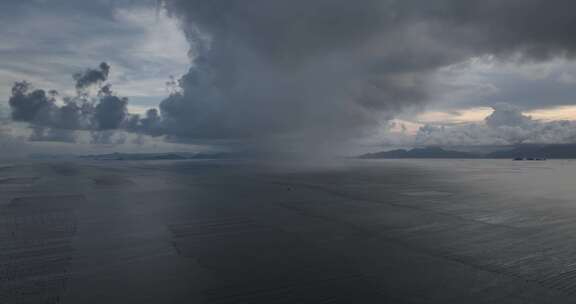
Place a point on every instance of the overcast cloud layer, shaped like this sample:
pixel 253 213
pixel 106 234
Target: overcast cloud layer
pixel 308 73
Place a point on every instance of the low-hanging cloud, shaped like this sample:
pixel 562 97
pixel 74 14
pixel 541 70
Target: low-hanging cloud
pixel 507 125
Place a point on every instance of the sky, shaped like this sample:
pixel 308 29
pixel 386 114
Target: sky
pixel 46 42
pixel 276 76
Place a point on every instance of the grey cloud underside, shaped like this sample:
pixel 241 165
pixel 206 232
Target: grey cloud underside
pixel 528 93
pixel 334 68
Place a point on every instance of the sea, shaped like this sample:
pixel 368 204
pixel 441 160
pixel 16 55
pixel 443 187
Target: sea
pixel 338 231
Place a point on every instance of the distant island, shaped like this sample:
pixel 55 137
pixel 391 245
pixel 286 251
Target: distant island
pixel 429 152
pixel 555 151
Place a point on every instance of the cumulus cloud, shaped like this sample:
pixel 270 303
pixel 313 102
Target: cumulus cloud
pixel 111 112
pixel 505 126
pixel 51 121
pixel 92 76
pixel 507 115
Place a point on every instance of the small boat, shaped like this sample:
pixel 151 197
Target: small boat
pixel 518 158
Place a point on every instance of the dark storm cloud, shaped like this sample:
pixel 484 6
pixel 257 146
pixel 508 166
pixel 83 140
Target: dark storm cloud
pixel 270 68
pixel 541 92
pixel 333 68
pixel 539 29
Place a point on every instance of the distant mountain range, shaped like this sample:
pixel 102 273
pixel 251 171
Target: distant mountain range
pixel 159 156
pixel 558 151
pixel 430 152
pixel 565 151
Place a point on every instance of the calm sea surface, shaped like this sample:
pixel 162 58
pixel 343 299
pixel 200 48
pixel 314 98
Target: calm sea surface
pixel 382 231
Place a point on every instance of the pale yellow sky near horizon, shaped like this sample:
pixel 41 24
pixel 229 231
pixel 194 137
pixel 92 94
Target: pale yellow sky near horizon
pixel 477 115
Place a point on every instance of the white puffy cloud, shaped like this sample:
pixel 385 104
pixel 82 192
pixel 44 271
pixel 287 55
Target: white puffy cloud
pixel 507 125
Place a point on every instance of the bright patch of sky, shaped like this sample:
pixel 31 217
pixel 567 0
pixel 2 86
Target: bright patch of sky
pixel 144 47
